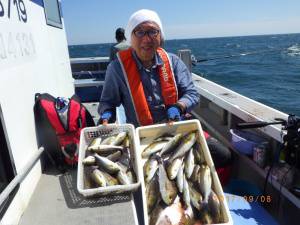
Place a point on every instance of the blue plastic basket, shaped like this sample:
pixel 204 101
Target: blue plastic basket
pixel 244 141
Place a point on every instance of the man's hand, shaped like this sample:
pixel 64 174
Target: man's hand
pixel 105 117
pixel 174 113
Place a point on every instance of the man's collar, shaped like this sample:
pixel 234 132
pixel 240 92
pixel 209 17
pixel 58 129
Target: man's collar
pixel 157 60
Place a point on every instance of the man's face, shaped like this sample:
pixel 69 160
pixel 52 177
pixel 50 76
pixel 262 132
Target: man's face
pixel 145 39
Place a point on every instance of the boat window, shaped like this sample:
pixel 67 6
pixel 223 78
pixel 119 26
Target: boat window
pixel 7 169
pixel 52 12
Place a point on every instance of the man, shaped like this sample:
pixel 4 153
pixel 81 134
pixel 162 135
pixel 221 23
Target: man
pixel 121 43
pixel 152 85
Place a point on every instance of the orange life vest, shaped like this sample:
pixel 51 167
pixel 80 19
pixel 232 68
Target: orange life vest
pixel 133 80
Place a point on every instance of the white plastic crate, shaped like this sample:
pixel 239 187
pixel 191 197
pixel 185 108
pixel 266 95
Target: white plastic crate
pixel 86 136
pixel 145 135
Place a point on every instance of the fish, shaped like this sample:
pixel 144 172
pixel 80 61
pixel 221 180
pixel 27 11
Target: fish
pixel 122 166
pixel 110 180
pixel 194 177
pixel 152 188
pixel 122 174
pixel 126 152
pixel 189 164
pixel 109 155
pixel 122 177
pixel 186 193
pixel 103 149
pixel 114 156
pixel 214 207
pixel 119 138
pixel 171 144
pixel 165 137
pixel 155 214
pixel 87 181
pixel 206 218
pixel 98 178
pixel 108 140
pixel 173 168
pixel 187 142
pixel 107 164
pixel 150 168
pixel 125 158
pixel 153 148
pixel 96 141
pixel 189 213
pixel 197 204
pixel 167 187
pixel 196 197
pixel 199 155
pixel 179 179
pixel 204 182
pixel 126 142
pixel 89 161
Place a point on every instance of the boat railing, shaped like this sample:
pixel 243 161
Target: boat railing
pixel 20 176
pixel 97 74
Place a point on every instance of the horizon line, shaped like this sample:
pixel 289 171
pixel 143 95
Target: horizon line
pixel 229 36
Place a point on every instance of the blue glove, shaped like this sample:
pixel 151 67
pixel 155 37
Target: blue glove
pixel 106 116
pixel 174 113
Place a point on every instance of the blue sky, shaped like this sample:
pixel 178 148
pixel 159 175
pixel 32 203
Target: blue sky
pixel 95 21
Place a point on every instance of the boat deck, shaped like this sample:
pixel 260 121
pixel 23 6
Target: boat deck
pixel 57 201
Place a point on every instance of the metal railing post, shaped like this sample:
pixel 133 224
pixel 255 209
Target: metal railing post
pixel 186 56
pixel 20 177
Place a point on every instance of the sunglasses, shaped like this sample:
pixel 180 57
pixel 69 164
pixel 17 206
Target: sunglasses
pixel 141 33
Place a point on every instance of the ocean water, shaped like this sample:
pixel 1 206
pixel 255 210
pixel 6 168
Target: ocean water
pixel 265 68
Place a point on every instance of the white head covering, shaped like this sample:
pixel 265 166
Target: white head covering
pixel 142 16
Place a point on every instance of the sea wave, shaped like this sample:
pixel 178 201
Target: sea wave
pixel 294 50
pixel 232 45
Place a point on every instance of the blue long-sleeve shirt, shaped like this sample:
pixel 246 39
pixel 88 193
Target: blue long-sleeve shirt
pixel 116 92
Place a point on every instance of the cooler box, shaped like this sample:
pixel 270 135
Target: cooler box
pixel 145 135
pixel 244 141
pixel 87 135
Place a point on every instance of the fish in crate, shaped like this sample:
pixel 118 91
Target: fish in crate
pixel 108 162
pixel 178 182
